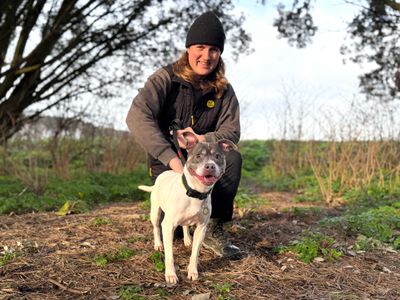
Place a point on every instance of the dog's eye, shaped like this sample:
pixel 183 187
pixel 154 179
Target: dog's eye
pixel 198 155
pixel 217 156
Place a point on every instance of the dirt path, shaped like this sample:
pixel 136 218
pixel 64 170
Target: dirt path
pixel 56 259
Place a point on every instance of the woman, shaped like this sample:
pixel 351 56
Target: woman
pixel 194 91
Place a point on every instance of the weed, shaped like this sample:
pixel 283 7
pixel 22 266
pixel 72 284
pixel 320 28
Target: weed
pixel 158 260
pixel 306 197
pixel 145 217
pixel 8 255
pixel 366 243
pixel 100 260
pixel 10 186
pixel 306 211
pixel 138 239
pixel 130 292
pixel 73 207
pixel 377 223
pixel 396 243
pixel 312 245
pixel 161 292
pixel 100 221
pixel 362 200
pixel 223 290
pixel 146 205
pixel 123 253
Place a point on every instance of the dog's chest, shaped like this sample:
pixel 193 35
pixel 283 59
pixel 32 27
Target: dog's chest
pixel 194 213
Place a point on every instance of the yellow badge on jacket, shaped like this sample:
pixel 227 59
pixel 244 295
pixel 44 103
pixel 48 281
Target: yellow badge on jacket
pixel 210 103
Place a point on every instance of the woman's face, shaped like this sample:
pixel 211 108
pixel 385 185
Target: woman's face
pixel 203 59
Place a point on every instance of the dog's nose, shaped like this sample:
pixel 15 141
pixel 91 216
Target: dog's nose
pixel 210 167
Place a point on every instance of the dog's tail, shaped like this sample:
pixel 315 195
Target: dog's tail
pixel 145 188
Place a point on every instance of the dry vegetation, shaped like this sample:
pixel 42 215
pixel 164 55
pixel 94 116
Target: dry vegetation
pixel 57 259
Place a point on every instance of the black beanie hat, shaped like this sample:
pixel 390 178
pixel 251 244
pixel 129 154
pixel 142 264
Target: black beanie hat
pixel 206 29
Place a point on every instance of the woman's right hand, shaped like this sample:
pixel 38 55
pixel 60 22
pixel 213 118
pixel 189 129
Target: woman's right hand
pixel 176 165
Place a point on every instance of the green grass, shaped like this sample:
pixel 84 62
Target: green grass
pixel 141 239
pixel 312 245
pixel 100 221
pixel 372 215
pixel 131 292
pixel 7 257
pixel 305 211
pixel 373 196
pixel 248 199
pixel 122 253
pixel 158 260
pixel 90 188
pixel 222 290
pixel 381 224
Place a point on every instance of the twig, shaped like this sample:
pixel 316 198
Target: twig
pixel 23 191
pixel 63 287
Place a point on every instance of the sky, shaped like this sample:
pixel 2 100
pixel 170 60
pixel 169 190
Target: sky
pixel 282 88
pixel 286 92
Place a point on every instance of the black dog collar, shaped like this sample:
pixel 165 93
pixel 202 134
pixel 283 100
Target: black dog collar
pixel 193 193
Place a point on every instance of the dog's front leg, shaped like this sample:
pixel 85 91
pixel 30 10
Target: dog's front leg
pixel 168 234
pixel 198 238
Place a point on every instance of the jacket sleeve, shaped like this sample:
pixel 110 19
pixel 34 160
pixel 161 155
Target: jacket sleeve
pixel 228 124
pixel 144 113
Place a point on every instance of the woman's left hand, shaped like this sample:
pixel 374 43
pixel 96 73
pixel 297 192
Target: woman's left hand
pixel 181 139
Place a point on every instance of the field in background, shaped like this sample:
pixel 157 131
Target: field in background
pixel 303 208
pixel 75 175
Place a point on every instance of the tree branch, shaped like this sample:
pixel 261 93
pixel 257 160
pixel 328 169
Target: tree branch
pixel 393 4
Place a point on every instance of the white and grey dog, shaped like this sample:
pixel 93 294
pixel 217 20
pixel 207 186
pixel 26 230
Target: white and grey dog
pixel 185 200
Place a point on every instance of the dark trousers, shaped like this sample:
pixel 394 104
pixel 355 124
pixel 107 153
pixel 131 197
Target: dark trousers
pixel 225 189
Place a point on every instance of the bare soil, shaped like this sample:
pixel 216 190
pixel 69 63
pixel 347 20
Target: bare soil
pixel 56 258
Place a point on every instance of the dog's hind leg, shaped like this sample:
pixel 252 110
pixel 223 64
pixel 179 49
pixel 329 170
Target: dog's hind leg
pixel 187 239
pixel 155 217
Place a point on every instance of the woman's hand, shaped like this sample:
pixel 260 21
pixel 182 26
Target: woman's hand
pixel 176 165
pixel 181 140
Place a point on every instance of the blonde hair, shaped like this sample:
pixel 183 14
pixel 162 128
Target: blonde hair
pixel 216 79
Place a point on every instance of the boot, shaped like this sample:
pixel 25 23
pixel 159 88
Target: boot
pixel 217 241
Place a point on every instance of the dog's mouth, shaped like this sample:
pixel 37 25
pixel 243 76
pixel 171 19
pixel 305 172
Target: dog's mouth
pixel 207 179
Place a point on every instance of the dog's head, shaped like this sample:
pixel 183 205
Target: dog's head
pixel 206 161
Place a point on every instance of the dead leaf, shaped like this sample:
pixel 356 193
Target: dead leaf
pixel 204 296
pixel 319 259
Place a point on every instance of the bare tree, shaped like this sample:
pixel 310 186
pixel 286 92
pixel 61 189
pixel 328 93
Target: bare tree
pixel 374 38
pixel 52 51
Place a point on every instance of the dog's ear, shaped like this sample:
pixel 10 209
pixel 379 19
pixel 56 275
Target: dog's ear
pixel 190 139
pixel 227 145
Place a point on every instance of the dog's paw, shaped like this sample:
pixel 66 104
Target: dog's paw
pixel 158 247
pixel 193 275
pixel 171 278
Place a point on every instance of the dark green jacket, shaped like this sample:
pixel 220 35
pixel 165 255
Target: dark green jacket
pixel 152 111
